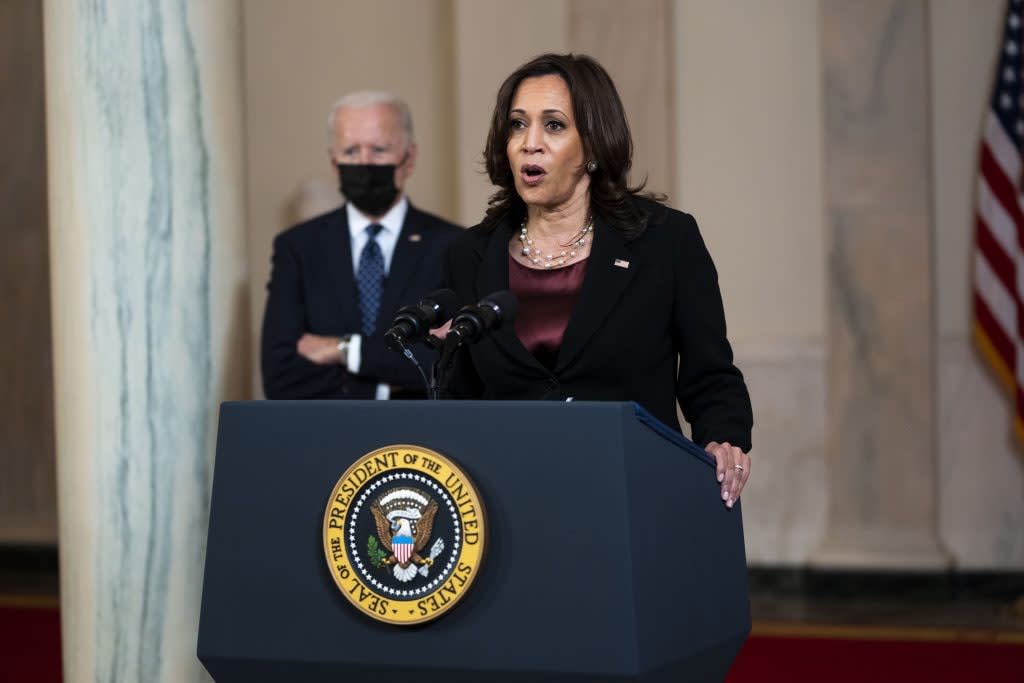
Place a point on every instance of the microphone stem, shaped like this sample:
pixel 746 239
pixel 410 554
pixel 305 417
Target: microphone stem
pixel 451 344
pixel 412 358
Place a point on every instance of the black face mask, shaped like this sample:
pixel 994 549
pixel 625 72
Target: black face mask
pixel 370 187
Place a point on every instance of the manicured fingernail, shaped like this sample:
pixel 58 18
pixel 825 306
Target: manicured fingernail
pixel 725 495
pixel 729 504
pixel 721 476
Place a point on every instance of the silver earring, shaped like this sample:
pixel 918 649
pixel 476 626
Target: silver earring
pixel 591 166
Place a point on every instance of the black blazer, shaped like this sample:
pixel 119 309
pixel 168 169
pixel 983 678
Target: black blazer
pixel 312 289
pixel 644 304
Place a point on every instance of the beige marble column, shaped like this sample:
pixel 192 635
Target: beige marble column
pixel 149 295
pixel 881 352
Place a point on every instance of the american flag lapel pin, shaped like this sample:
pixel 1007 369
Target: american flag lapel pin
pixel 415 237
pixel 620 263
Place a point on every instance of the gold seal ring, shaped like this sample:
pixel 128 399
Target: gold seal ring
pixel 404 533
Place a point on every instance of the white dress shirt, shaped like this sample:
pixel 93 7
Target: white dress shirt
pixel 387 238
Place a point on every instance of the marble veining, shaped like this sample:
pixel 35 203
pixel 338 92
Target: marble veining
pixel 862 98
pixel 880 392
pixel 146 167
pixel 850 302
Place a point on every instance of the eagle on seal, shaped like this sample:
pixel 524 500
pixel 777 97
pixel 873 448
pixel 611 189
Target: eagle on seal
pixel 405 518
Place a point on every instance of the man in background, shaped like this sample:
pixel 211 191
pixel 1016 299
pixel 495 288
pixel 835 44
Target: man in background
pixel 338 279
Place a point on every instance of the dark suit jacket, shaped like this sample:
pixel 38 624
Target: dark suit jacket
pixel 629 327
pixel 313 289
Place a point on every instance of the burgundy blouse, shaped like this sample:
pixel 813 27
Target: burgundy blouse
pixel 546 299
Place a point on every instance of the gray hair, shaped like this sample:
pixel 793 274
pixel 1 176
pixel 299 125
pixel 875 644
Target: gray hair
pixel 369 98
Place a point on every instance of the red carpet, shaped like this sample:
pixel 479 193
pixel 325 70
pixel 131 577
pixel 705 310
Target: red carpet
pixel 30 644
pixel 30 653
pixel 837 655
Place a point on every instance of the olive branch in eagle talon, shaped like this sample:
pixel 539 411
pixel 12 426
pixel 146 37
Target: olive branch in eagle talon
pixel 376 553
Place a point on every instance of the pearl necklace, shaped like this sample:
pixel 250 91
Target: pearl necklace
pixel 569 250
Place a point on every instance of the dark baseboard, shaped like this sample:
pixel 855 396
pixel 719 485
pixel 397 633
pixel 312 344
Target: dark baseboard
pixel 918 585
pixel 29 559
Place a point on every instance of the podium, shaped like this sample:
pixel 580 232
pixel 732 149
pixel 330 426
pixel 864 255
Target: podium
pixel 610 556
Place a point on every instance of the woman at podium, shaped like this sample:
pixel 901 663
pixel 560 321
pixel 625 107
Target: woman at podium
pixel 618 298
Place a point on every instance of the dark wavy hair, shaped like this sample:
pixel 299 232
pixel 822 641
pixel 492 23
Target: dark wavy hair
pixel 604 132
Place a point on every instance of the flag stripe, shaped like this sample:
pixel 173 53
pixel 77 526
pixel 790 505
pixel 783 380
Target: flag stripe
pixel 998 260
pixel 1003 150
pixel 998 221
pixel 996 297
pixel 1002 187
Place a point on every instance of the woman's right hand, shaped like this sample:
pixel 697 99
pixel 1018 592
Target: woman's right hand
pixel 732 470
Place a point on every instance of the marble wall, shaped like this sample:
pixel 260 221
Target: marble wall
pixel 149 311
pixel 881 334
pixel 759 133
pixel 633 41
pixel 489 45
pixel 750 158
pixel 980 465
pixel 749 152
pixel 785 502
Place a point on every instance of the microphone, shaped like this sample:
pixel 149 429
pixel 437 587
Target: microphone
pixel 413 323
pixel 471 323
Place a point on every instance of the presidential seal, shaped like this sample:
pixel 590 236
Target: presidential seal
pixel 404 534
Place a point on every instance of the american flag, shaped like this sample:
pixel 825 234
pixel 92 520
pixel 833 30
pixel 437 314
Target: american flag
pixel 999 232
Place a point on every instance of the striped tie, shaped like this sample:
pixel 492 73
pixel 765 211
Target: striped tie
pixel 370 279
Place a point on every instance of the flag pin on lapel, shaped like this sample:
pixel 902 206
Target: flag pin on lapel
pixel 415 237
pixel 621 264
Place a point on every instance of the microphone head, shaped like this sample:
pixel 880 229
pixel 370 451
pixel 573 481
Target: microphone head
pixel 439 306
pixel 412 323
pixel 473 321
pixel 498 308
pixel 401 331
